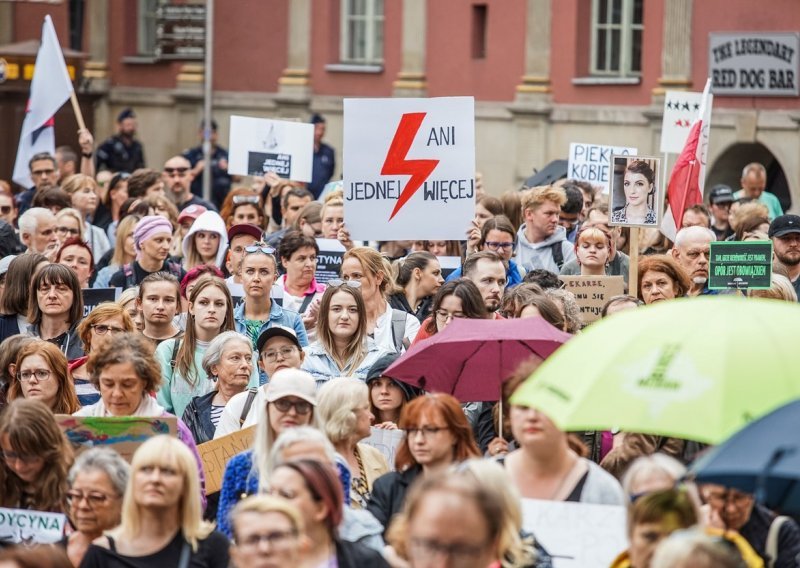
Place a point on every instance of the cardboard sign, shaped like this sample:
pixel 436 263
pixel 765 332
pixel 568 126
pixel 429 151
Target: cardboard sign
pixel 22 526
pixel 740 265
pixel 216 453
pixel 590 162
pixel 94 296
pixel 592 293
pixel 577 535
pixel 760 64
pixel 386 442
pixel 329 259
pixel 680 111
pixel 259 145
pixel 121 433
pixel 409 168
pixel 449 264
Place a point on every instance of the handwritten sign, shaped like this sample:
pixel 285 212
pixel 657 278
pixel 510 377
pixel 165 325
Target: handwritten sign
pixel 216 453
pixel 754 64
pixel 124 434
pixel 94 296
pixel 577 535
pixel 592 293
pixel 22 526
pixel 329 259
pixel 590 162
pixel 680 111
pixel 409 168
pixel 386 442
pixel 740 265
pixel 259 145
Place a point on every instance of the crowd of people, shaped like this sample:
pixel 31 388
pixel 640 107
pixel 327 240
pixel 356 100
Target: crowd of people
pixel 222 323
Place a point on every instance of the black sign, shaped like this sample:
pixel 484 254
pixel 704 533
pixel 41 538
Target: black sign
pixel 259 163
pixel 94 296
pixel 740 265
pixel 181 31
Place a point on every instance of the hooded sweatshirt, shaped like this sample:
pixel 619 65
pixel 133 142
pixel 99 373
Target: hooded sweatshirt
pixel 540 255
pixel 209 221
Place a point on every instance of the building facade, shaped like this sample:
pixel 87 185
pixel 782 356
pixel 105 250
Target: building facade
pixel 544 73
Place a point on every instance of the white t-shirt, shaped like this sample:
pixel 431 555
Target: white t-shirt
pixel 383 330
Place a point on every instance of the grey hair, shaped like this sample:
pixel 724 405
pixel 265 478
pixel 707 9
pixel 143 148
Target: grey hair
pixel 695 545
pixel 652 464
pixel 213 354
pixel 29 220
pixel 128 295
pixel 572 312
pixel 754 166
pixel 292 436
pixel 693 232
pixel 106 460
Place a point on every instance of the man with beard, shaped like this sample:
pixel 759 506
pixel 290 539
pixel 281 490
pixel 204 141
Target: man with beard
pixel 177 177
pixel 121 152
pixel 487 271
pixel 691 251
pixel 785 234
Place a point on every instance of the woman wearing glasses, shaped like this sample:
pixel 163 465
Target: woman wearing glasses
pixel 498 235
pixel 259 270
pixel 264 518
pixel 57 308
pixel 36 457
pixel 42 374
pixel 343 348
pixel 455 299
pixel 437 435
pixel 419 276
pixel 287 401
pixel 97 483
pixel 98 328
pixel 206 242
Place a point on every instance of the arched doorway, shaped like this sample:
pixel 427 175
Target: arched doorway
pixel 728 167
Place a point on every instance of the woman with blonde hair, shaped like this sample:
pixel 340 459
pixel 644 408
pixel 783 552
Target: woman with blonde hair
pixel 781 289
pixel 262 515
pixel 161 515
pixel 36 458
pixel 42 375
pixel 84 195
pixel 69 223
pixel 206 242
pixel 124 253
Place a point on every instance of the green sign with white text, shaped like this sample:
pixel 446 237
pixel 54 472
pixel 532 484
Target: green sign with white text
pixel 740 265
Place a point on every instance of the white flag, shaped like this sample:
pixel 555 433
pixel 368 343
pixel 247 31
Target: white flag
pixel 51 87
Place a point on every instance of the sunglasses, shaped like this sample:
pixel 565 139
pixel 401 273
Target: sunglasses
pixel 300 406
pixel 180 171
pixel 259 247
pixel 239 199
pixel 336 283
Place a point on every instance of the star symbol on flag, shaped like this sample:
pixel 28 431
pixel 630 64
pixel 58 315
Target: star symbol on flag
pixel 696 106
pixel 685 106
pixel 669 105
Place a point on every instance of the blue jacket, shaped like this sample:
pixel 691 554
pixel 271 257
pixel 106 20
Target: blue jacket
pixel 277 316
pixel 323 368
pixel 513 275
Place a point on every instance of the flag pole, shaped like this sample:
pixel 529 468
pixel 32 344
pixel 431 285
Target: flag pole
pixel 633 268
pixel 77 110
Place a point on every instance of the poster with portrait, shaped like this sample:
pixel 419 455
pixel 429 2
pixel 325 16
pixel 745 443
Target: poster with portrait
pixel 636 192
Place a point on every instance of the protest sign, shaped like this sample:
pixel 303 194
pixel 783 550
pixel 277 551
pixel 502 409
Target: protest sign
pixel 23 526
pixel 409 168
pixel 216 453
pixel 329 259
pixel 94 296
pixel 577 535
pixel 636 191
pixel 122 433
pixel 740 265
pixel 754 64
pixel 260 145
pixel 590 162
pixel 449 264
pixel 592 293
pixel 680 111
pixel 386 442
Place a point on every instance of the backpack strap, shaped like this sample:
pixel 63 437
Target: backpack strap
pixel 558 254
pixel 399 329
pixel 305 304
pixel 251 396
pixel 772 540
pixel 174 359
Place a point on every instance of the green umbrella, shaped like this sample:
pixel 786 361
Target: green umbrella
pixel 697 368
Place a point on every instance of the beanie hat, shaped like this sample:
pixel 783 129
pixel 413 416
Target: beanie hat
pixel 148 227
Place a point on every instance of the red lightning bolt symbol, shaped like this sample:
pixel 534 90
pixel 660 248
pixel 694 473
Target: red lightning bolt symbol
pixel 396 163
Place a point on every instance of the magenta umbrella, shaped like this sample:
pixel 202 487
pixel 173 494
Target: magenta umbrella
pixel 471 358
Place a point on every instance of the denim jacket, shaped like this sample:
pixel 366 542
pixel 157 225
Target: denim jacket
pixel 323 368
pixel 277 316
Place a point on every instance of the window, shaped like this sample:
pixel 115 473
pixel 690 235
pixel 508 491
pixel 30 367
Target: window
pixel 617 38
pixel 479 21
pixel 362 32
pixel 148 15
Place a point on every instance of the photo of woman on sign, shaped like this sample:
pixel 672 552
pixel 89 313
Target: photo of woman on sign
pixel 635 198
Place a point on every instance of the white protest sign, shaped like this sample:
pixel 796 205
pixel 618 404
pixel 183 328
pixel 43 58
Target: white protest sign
pixel 680 111
pixel 409 168
pixel 577 535
pixel 329 260
pixel 386 442
pixel 22 526
pixel 260 145
pixel 590 162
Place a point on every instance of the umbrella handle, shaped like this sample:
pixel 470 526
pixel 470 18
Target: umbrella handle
pixel 761 480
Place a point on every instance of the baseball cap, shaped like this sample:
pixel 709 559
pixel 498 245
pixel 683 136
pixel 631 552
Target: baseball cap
pixel 292 382
pixel 5 262
pixel 192 212
pixel 784 225
pixel 277 331
pixel 245 229
pixel 721 193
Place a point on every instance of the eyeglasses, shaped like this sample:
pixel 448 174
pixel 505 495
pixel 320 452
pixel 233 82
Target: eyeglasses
pixel 275 539
pixel 239 199
pixel 259 247
pixel 721 499
pixel 42 172
pixel 93 499
pixel 423 548
pixel 40 374
pixel 67 230
pixel 495 245
pixel 5 209
pixel 426 431
pixel 337 282
pixel 103 329
pixel 445 316
pixel 300 406
pixel 180 171
pixel 24 458
pixel 284 352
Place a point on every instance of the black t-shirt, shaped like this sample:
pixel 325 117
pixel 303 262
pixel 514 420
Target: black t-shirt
pixel 118 279
pixel 212 552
